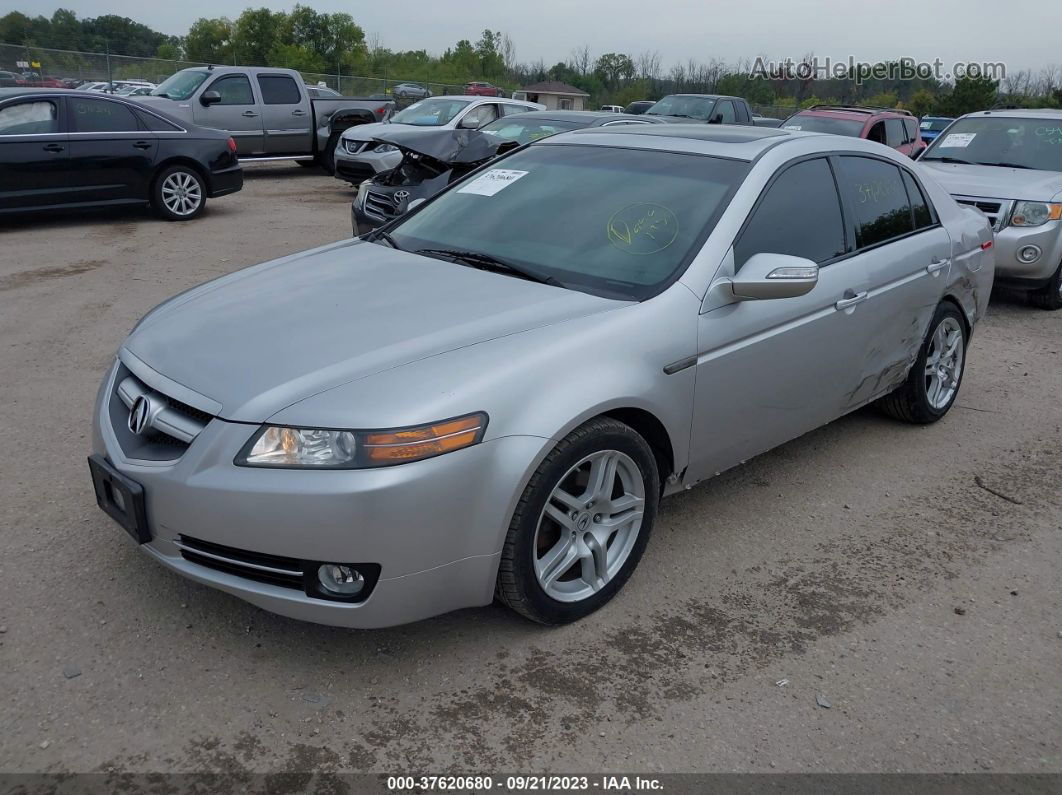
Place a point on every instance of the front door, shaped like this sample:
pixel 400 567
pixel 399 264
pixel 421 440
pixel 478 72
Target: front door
pixel 238 112
pixel 771 370
pixel 286 116
pixel 34 154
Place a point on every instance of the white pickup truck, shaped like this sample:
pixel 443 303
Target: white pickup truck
pixel 1008 164
pixel 268 111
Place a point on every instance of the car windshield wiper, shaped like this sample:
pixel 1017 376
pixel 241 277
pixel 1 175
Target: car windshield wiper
pixel 958 160
pixel 488 262
pixel 380 234
pixel 1006 165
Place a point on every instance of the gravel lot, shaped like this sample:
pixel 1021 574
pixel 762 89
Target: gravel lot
pixel 865 563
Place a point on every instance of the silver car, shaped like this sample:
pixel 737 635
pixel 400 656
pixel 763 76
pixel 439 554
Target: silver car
pixel 489 398
pixel 1008 164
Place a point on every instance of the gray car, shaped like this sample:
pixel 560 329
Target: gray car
pixel 1008 164
pixel 410 91
pixel 490 398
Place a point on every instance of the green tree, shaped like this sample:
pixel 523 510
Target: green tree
pixel 210 41
pixel 256 32
pixel 921 103
pixel 614 67
pixel 970 94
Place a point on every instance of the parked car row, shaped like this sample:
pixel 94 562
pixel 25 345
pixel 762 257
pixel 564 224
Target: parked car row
pixel 310 445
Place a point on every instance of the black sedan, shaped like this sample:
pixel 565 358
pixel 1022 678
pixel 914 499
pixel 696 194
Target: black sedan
pixel 61 148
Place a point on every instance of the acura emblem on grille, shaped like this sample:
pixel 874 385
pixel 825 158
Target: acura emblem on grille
pixel 140 415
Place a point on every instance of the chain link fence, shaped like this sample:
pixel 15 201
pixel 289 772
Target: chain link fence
pixel 71 67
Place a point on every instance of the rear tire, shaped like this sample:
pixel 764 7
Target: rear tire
pixel 582 524
pixel 179 193
pixel 933 383
pixel 1049 297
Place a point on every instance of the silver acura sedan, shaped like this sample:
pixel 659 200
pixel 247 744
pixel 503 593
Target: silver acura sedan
pixel 488 398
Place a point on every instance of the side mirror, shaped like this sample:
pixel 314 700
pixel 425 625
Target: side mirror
pixel 716 119
pixel 767 276
pixel 209 98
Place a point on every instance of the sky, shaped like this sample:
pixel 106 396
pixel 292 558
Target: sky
pixel 952 30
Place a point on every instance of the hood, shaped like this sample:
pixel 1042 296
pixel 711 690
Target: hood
pixel 261 339
pixel 450 147
pixel 181 110
pixel 366 132
pixel 994 182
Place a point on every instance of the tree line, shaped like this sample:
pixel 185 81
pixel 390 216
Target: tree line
pixel 333 43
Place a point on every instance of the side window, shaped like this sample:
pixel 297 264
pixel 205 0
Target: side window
pixel 894 133
pixel 29 118
pixel 877 133
pixel 99 115
pixel 923 216
pixel 234 90
pixel 725 109
pixel 512 110
pixel 279 90
pixel 875 192
pixel 799 215
pixel 484 114
pixel 743 113
pixel 152 122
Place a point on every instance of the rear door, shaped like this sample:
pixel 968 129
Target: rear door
pixel 904 251
pixel 239 112
pixel 769 371
pixel 286 115
pixel 111 156
pixel 34 153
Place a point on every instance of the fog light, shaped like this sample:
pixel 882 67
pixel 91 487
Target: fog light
pixel 1029 254
pixel 335 578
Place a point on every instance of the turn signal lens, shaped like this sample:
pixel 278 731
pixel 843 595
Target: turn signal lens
pixel 412 444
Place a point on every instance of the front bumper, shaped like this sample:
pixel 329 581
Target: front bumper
pixel 364 165
pixel 435 527
pixel 1011 271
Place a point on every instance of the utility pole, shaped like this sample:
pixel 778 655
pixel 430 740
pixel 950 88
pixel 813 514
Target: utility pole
pixel 107 48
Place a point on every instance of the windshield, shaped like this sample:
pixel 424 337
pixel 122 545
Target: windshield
pixel 934 125
pixel 430 112
pixel 524 131
pixel 684 106
pixel 824 124
pixel 621 223
pixel 999 141
pixel 181 85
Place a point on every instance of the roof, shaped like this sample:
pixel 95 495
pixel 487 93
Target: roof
pixel 1021 113
pixel 741 143
pixel 587 117
pixel 853 111
pixel 554 87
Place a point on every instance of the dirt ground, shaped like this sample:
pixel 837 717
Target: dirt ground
pixel 868 563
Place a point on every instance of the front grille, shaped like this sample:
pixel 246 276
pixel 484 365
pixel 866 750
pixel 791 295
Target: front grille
pixel 354 171
pixel 379 205
pixel 257 566
pixel 997 210
pixel 170 427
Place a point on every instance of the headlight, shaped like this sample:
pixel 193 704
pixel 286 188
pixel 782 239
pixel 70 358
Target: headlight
pixel 309 448
pixel 385 148
pixel 1035 213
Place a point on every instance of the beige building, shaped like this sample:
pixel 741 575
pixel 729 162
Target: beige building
pixel 555 95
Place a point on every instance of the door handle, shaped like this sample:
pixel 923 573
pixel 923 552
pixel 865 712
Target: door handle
pixel 298 113
pixel 53 148
pixel 851 299
pixel 250 114
pixel 142 145
pixel 937 265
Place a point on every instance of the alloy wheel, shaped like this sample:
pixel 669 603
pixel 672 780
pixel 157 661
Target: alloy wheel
pixel 944 363
pixel 181 193
pixel 589 526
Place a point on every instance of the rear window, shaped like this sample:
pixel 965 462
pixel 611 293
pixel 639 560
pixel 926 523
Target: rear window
pixel 824 124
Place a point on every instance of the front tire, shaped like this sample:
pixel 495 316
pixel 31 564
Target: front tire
pixel 933 383
pixel 1050 297
pixel 179 193
pixel 327 158
pixel 582 524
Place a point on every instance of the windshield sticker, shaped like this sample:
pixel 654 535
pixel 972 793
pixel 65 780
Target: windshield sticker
pixel 642 228
pixel 1053 135
pixel 493 181
pixel 957 140
pixel 926 125
pixel 792 127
